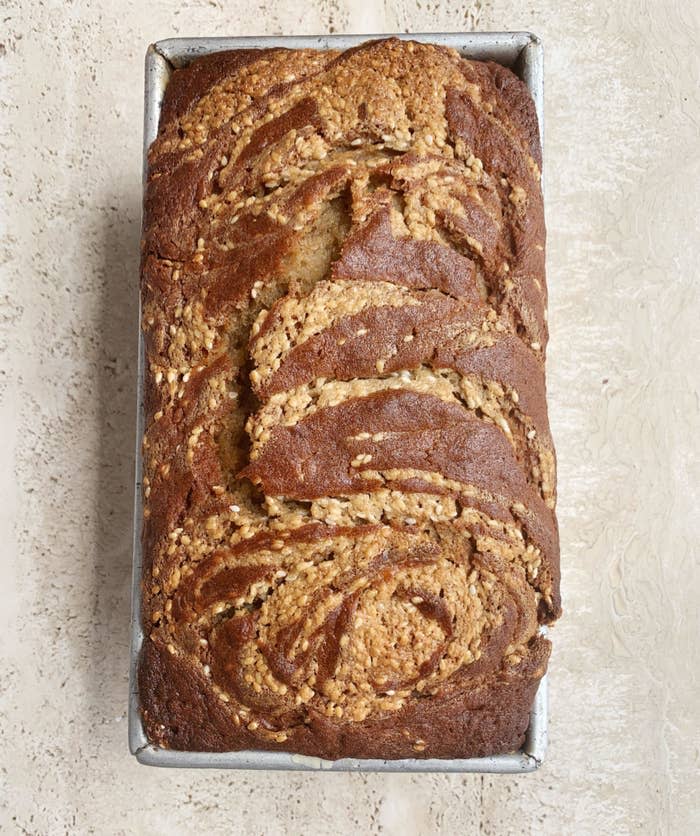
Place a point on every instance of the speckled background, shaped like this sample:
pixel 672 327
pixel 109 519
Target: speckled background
pixel 622 173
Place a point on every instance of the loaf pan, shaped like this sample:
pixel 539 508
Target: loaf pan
pixel 522 52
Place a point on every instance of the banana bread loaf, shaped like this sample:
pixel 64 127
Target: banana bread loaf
pixel 349 538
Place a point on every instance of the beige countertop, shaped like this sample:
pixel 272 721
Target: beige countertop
pixel 622 172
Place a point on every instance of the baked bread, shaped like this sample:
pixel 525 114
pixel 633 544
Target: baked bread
pixel 349 538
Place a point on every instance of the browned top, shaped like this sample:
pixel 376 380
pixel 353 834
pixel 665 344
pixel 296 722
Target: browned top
pixel 349 535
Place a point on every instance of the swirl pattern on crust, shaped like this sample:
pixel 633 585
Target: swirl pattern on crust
pixel 349 481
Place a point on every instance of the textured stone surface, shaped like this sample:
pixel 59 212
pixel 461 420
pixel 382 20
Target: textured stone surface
pixel 622 173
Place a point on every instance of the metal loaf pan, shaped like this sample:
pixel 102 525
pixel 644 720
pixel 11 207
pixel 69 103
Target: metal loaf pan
pixel 522 52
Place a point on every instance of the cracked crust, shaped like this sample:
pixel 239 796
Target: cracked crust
pixel 349 532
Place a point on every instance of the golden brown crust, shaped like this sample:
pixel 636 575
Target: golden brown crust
pixel 349 535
